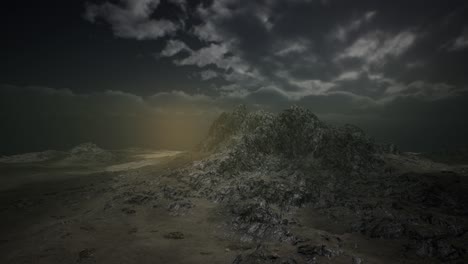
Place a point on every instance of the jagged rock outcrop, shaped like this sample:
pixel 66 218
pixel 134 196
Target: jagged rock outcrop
pixel 262 165
pixel 295 134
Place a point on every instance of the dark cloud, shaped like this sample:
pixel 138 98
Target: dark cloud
pixel 51 118
pixel 132 19
pixel 460 42
pixel 314 47
pixel 38 118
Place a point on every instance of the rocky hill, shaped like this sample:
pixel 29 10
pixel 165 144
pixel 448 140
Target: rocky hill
pixel 32 157
pixel 449 156
pixel 262 167
pixel 295 135
pixel 89 152
pixel 82 153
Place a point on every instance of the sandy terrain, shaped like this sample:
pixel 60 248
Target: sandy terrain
pixel 81 217
pixel 134 211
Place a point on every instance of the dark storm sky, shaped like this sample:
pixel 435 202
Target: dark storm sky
pixel 120 72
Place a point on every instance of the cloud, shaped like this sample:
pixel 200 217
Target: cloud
pixel 284 49
pixel 304 87
pixel 348 76
pixel 414 64
pixel 292 48
pixel 61 118
pixel 208 75
pixel 131 19
pixel 460 43
pixel 207 32
pixel 377 47
pixel 342 32
pixel 39 118
pixel 183 104
pixel 212 54
pixel 173 47
pixel 422 89
pixel 310 87
pixel 181 3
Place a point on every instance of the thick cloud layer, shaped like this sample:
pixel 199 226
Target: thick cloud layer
pixel 300 48
pixel 38 118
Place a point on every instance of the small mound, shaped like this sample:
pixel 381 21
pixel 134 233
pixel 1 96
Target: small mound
pixel 90 152
pixel 31 157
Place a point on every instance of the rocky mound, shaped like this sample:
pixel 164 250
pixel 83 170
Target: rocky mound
pixel 262 167
pixel 85 152
pixel 31 157
pixel 449 156
pixel 295 134
pixel 89 152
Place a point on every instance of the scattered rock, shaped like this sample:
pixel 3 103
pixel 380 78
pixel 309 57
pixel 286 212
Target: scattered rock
pixel 263 255
pixel 128 211
pixel 440 249
pixel 174 235
pixel 86 254
pixel 357 260
pixel 386 228
pixel 179 208
pixel 66 235
pixel 313 251
pixel 138 199
pixel 88 228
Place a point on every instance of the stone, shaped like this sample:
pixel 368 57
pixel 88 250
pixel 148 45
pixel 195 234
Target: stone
pixel 174 235
pixel 86 254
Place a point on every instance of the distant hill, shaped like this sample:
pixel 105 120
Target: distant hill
pixel 449 156
pixel 85 152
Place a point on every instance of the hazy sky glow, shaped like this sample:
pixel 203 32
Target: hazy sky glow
pixel 396 68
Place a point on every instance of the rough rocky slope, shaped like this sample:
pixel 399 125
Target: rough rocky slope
pixel 264 169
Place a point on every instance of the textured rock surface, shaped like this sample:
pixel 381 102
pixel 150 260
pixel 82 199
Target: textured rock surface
pixel 89 152
pixel 263 166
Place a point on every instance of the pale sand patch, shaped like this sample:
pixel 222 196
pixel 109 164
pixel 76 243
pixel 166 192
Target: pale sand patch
pixel 159 154
pixel 148 159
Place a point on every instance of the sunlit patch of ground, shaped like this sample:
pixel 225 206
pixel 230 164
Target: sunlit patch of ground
pixel 147 160
pixel 159 154
pixel 26 168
